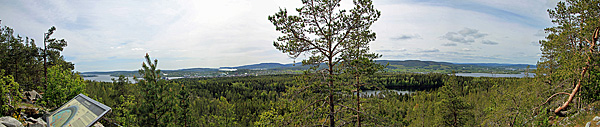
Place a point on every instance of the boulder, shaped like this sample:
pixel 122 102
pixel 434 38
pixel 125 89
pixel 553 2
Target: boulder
pixel 10 122
pixel 98 124
pixel 31 122
pixel 31 96
pixel 597 118
pixel 588 124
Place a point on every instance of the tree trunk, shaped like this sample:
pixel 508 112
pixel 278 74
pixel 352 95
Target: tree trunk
pixel 45 65
pixel 582 75
pixel 573 93
pixel 331 109
pixel 357 99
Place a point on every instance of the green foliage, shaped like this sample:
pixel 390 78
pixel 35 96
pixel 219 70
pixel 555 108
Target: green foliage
pixel 358 62
pixel 269 118
pixel 10 94
pixel 328 34
pixel 124 113
pixel 158 96
pixel 281 100
pixel 410 81
pixel 452 107
pixel 20 58
pixel 121 96
pixel 26 62
pixel 182 107
pixel 570 51
pixel 52 49
pixel 590 91
pixel 62 85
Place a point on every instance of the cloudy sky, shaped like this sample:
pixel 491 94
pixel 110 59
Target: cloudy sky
pixel 116 34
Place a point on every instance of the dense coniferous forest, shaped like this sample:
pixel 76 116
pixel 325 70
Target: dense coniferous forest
pixel 273 100
pixel 564 91
pixel 276 100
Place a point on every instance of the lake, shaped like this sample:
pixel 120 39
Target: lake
pixel 107 78
pixel 375 92
pixel 494 75
pixel 104 78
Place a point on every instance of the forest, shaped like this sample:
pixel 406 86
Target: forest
pixel 413 66
pixel 564 91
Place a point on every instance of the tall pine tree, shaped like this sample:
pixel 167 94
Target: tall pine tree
pixel 324 31
pixel 157 96
pixel 570 51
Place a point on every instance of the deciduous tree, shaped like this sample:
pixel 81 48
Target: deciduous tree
pixel 62 85
pixel 10 94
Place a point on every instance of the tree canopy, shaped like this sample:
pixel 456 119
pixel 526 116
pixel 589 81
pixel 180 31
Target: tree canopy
pixel 570 51
pixel 326 33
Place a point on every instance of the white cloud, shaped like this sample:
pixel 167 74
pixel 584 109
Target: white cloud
pixel 406 37
pixel 449 44
pixel 115 35
pixel 465 36
pixel 429 50
pixel 137 49
pixel 488 42
pixel 467 49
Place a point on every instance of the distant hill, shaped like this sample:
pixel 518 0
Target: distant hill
pixel 394 66
pixel 498 65
pixel 411 63
pixel 260 66
pixel 194 69
pixel 136 71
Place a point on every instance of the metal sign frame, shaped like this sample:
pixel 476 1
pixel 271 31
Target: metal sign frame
pixel 99 109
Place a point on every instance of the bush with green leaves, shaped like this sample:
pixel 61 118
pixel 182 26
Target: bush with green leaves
pixel 62 85
pixel 10 93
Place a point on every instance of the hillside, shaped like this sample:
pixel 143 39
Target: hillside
pixel 411 66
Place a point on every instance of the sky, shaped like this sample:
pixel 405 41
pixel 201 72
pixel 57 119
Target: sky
pixel 115 35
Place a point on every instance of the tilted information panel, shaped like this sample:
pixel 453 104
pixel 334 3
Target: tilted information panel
pixel 78 112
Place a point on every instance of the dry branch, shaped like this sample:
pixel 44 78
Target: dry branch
pixel 583 72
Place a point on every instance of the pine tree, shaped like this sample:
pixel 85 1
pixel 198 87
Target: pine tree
pixel 452 107
pixel 359 63
pixel 570 51
pixel 124 113
pixel 157 96
pixel 184 106
pixel 324 31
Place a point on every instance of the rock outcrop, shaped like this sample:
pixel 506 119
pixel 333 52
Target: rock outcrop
pixel 31 96
pixel 8 121
pixel 589 124
pixel 39 122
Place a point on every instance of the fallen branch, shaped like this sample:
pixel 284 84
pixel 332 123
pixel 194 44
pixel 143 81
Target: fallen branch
pixel 584 70
pixel 553 96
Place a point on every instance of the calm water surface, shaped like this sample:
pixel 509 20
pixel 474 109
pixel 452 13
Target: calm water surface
pixel 494 75
pixel 375 92
pixel 107 78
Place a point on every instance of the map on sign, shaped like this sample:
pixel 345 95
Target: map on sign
pixel 78 112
